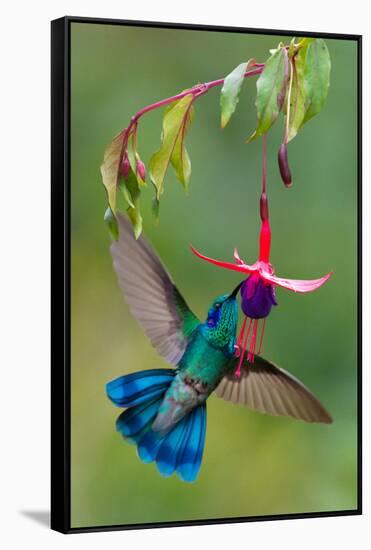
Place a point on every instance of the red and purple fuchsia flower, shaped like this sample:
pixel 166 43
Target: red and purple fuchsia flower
pixel 257 291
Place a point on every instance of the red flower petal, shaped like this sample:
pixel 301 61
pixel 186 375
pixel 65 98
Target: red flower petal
pixel 242 268
pixel 296 285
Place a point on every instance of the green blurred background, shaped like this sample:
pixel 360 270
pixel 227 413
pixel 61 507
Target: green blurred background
pixel 253 464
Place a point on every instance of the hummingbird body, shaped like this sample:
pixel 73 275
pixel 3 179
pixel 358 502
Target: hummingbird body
pixel 212 345
pixel 165 414
pixel 203 365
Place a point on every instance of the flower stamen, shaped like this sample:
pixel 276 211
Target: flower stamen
pixel 251 354
pixel 261 337
pixel 240 337
pixel 244 345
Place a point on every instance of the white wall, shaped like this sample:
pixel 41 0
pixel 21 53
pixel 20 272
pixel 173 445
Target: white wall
pixel 24 271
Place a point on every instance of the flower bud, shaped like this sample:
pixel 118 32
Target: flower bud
pixel 125 166
pixel 264 213
pixel 141 169
pixel 283 164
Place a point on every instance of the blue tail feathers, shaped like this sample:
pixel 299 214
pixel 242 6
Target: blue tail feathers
pixel 139 387
pixel 191 453
pixel 181 449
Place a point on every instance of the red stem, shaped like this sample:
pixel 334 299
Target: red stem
pixel 197 91
pixel 264 170
pixel 265 232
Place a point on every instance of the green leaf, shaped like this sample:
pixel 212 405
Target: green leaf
pixel 132 187
pixel 125 191
pixel 304 42
pixel 110 168
pixel 131 191
pixel 134 157
pixel 297 99
pixel 179 158
pixel 271 91
pixel 111 222
pixel 229 95
pixel 136 219
pixel 174 126
pixel 181 163
pixel 316 76
pixel 131 154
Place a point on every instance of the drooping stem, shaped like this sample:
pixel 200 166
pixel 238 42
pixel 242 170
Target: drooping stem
pixel 264 169
pixel 265 232
pixel 264 212
pixel 196 91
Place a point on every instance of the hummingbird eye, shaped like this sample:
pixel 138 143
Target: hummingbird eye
pixel 217 305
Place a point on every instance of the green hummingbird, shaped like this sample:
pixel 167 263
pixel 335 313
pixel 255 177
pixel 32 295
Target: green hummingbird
pixel 165 412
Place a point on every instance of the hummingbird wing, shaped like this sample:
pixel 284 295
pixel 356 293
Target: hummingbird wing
pixel 266 388
pixel 151 294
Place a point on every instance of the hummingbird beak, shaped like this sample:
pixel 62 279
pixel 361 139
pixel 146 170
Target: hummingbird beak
pixel 233 294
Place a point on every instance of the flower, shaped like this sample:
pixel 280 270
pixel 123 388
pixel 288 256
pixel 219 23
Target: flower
pixel 258 291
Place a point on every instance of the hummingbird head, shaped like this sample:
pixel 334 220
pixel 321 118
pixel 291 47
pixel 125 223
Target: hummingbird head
pixel 221 322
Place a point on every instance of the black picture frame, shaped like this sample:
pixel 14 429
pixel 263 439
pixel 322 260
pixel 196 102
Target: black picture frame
pixel 61 284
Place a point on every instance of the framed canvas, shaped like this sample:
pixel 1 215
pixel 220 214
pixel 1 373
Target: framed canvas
pixel 206 274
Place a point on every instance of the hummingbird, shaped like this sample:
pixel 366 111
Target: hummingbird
pixel 165 408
